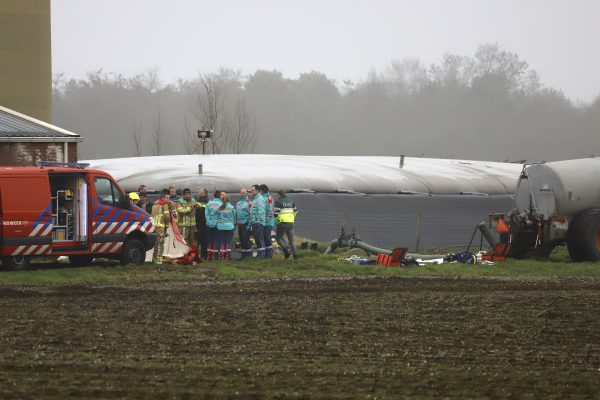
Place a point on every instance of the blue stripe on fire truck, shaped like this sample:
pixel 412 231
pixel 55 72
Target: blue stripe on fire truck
pixel 96 207
pixel 105 214
pixel 45 213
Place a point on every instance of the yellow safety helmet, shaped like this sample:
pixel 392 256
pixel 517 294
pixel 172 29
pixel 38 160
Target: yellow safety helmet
pixel 134 196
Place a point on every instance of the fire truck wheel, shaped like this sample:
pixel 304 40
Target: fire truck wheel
pixel 16 263
pixel 583 237
pixel 134 252
pixel 81 260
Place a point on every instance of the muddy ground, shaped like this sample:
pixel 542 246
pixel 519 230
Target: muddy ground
pixel 359 338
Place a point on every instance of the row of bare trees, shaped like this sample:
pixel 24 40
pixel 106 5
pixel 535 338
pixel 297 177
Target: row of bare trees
pixel 219 104
pixel 490 105
pixel 214 101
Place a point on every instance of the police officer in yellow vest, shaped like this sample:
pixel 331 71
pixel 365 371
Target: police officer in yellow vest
pixel 285 215
pixel 161 216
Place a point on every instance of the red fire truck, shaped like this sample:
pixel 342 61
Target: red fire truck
pixel 66 209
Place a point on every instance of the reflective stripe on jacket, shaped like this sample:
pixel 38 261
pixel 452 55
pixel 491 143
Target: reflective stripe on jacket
pixel 269 210
pixel 186 215
pixel 285 210
pixel 160 214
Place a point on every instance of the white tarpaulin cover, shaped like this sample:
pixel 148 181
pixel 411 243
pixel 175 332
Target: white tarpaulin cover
pixel 325 174
pixel 387 215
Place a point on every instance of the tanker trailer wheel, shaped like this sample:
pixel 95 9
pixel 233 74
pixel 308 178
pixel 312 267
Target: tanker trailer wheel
pixel 16 263
pixel 583 237
pixel 134 252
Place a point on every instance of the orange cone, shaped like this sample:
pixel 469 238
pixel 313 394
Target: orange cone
pixel 502 227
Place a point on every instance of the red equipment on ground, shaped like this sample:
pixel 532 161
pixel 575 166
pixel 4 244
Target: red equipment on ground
pixel 392 260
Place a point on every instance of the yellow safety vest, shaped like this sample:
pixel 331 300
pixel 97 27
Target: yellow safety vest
pixel 286 215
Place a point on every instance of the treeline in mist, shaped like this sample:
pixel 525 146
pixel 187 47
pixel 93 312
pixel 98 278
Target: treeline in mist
pixel 488 106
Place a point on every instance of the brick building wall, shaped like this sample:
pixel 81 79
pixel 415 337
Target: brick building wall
pixel 27 153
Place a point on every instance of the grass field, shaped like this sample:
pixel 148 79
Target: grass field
pixel 314 328
pixel 310 265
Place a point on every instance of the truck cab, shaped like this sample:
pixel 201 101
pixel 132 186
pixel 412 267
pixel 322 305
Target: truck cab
pixel 58 209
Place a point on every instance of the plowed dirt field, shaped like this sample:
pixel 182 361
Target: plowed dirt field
pixel 345 338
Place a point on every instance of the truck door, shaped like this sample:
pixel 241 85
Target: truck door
pixel 26 227
pixel 118 228
pixel 109 217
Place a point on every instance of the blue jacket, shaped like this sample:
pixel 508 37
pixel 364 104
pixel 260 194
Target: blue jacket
pixel 242 211
pixel 258 210
pixel 211 212
pixel 269 209
pixel 226 218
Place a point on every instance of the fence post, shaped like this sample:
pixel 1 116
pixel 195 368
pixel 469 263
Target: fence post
pixel 418 244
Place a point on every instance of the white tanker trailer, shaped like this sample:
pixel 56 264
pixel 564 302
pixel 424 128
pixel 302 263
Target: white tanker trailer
pixel 556 203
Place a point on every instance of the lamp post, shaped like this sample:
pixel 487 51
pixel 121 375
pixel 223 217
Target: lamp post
pixel 204 134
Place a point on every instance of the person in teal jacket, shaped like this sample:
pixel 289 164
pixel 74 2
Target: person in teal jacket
pixel 210 212
pixel 269 220
pixel 242 212
pixel 257 220
pixel 225 226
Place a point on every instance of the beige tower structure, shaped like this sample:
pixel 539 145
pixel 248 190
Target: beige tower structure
pixel 25 57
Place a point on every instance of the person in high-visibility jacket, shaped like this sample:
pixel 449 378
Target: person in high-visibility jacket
pixel 186 216
pixel 242 216
pixel 285 213
pixel 269 220
pixel 257 220
pixel 225 226
pixel 210 211
pixel 161 216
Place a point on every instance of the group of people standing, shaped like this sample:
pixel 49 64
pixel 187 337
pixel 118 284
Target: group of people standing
pixel 211 223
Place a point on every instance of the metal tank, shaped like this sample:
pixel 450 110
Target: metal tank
pixel 561 188
pixel 556 203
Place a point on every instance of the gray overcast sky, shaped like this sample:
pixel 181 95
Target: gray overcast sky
pixel 342 38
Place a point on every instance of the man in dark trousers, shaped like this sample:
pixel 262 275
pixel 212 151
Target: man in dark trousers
pixel 201 237
pixel 285 214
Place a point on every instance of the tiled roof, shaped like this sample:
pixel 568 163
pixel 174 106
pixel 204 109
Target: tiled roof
pixel 14 124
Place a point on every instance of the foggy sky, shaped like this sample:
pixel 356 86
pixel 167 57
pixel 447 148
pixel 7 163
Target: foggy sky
pixel 343 39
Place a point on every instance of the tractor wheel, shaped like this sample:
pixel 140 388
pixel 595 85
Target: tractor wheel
pixel 133 252
pixel 583 237
pixel 16 263
pixel 81 260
